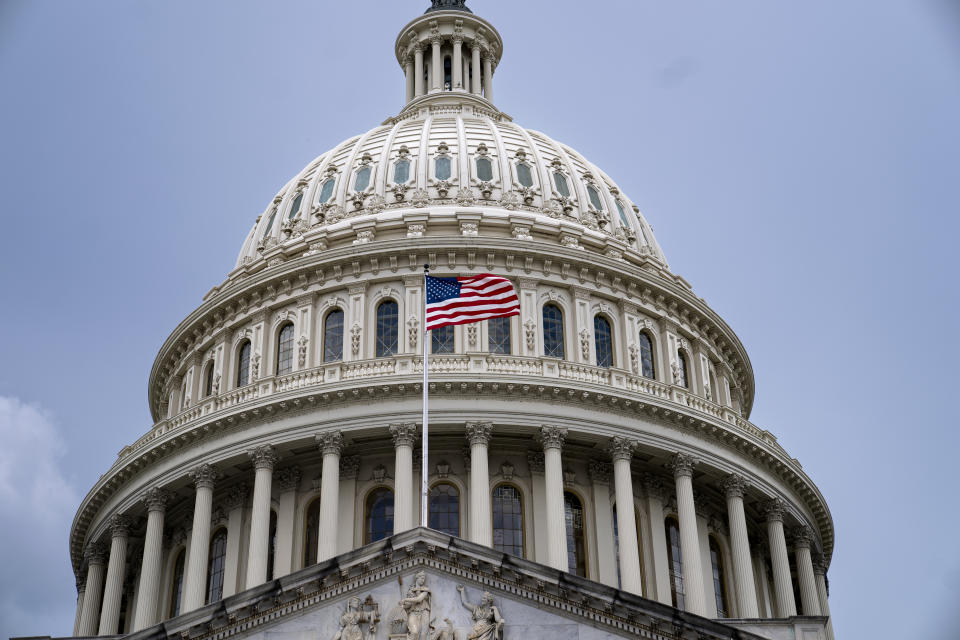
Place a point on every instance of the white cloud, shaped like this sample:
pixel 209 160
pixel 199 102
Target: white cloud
pixel 37 502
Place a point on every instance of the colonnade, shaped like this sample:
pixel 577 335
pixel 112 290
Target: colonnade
pixel 102 617
pixel 471 73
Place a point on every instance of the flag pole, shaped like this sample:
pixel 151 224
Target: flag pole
pixel 423 453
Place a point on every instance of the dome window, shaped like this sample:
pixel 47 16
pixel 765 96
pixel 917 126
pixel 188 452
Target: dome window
pixel 295 208
pixel 243 365
pixel 484 169
pixel 498 335
pixel 623 214
pixel 552 331
pixel 445 509
pixel 401 172
pixel 560 181
pixel 333 336
pixel 646 355
pixel 285 350
pixel 594 198
pixel 266 231
pixel 603 341
pixel 524 177
pixel 441 168
pixel 441 339
pixel 362 181
pixel 388 322
pixel 379 515
pixel 326 191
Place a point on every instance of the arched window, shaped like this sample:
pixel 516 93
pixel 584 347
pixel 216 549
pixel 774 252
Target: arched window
pixel 623 214
pixel 441 168
pixel 311 533
pixel 176 585
pixel 447 77
pixel 362 181
pixel 560 181
pixel 674 561
pixel 378 521
pixel 594 198
pixel 524 177
pixel 441 339
pixel 603 340
pixel 243 365
pixel 719 578
pixel 285 350
pixel 576 537
pixel 401 171
pixel 272 545
pixel 484 169
pixel 208 380
pixel 498 335
pixel 295 207
pixel 645 346
pixel 683 378
pixel 216 565
pixel 388 319
pixel 273 215
pixel 508 520
pixel 552 331
pixel 445 509
pixel 333 336
pixel 326 191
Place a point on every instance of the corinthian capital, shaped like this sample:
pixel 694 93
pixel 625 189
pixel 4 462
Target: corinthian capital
pixel 802 537
pixel 734 485
pixel 773 510
pixel 95 553
pixel 264 457
pixel 349 466
pixel 653 485
pixel 237 496
pixel 156 499
pixel 404 434
pixel 203 476
pixel 621 448
pixel 479 432
pixel 120 526
pixel 683 465
pixel 535 461
pixel 288 478
pixel 552 437
pixel 330 442
pixel 819 564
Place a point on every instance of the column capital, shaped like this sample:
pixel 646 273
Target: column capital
pixel 734 485
pixel 330 442
pixel 349 467
pixel 288 478
pixel 264 457
pixel 535 461
pixel 653 485
pixel 156 499
pixel 621 448
pixel 802 537
pixel 479 432
pixel 773 510
pixel 120 526
pixel 682 465
pixel 95 553
pixel 600 471
pixel 81 581
pixel 237 496
pixel 819 564
pixel 404 434
pixel 552 437
pixel 204 476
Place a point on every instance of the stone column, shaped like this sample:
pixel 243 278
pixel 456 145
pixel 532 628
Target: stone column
pixel 289 481
pixel 457 62
pixel 621 452
pixel 538 509
pixel 475 66
pixel 436 64
pixel 235 502
pixel 488 78
pixel 349 470
pixel 758 554
pixel 81 592
pixel 693 590
pixel 820 574
pixel 552 439
pixel 600 474
pixel 404 435
pixel 809 598
pixel 264 458
pixel 418 71
pixel 96 555
pixel 409 76
pixel 733 486
pixel 653 487
pixel 113 592
pixel 331 445
pixel 782 586
pixel 195 586
pixel 481 518
pixel 466 73
pixel 148 592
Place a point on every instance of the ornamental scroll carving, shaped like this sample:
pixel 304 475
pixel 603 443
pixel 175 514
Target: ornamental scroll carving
pixel 355 339
pixel 413 330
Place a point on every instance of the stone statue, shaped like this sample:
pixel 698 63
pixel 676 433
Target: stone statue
pixel 416 604
pixel 487 621
pixel 356 614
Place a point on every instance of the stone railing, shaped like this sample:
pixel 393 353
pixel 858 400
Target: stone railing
pixel 471 363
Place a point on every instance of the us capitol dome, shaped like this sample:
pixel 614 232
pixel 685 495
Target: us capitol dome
pixel 593 472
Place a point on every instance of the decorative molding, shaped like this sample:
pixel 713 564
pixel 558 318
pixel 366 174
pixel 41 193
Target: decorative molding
pixel 330 442
pixel 404 434
pixel 802 537
pixel 734 486
pixel 535 461
pixel 773 510
pixel 263 457
pixel 621 448
pixel 288 478
pixel 682 465
pixel 96 553
pixel 156 499
pixel 479 432
pixel 204 476
pixel 120 526
pixel 349 467
pixel 600 471
pixel 237 496
pixel 552 437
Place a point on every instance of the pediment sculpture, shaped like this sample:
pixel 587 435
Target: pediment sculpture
pixel 411 618
pixel 356 614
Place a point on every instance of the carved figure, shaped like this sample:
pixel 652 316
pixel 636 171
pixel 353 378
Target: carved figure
pixel 417 606
pixel 355 615
pixel 487 621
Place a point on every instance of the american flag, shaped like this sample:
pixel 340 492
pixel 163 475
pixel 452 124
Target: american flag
pixel 472 299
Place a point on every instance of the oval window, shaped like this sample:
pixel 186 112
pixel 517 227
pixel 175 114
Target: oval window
pixel 594 198
pixel 326 190
pixel 401 171
pixel 441 169
pixel 363 179
pixel 484 169
pixel 561 181
pixel 295 208
pixel 523 175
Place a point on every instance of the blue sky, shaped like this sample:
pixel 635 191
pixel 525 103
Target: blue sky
pixel 798 162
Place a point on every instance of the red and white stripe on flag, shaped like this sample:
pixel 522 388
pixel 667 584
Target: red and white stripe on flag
pixel 471 299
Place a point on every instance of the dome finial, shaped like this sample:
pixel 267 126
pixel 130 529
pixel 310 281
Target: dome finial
pixel 448 5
